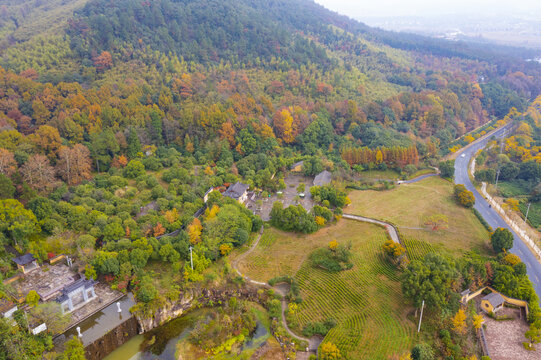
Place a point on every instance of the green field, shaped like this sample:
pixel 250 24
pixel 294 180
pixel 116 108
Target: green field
pixel 366 301
pixel 408 205
pixel 514 189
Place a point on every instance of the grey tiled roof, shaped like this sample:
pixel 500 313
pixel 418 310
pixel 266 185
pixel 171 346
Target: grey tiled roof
pixel 24 259
pixel 235 191
pixel 322 178
pixel 495 299
pixel 82 282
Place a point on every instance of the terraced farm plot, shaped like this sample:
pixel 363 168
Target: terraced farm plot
pixel 282 253
pixel 366 301
pixel 417 249
pixel 409 204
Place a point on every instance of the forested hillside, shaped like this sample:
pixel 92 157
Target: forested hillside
pixel 116 117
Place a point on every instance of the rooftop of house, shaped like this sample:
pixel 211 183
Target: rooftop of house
pixel 6 305
pixel 495 299
pixel 236 190
pixel 24 259
pixel 322 178
pixel 299 163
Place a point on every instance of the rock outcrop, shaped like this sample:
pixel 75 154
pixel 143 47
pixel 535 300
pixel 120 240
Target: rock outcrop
pixel 202 297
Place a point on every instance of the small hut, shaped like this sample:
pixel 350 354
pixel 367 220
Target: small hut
pixel 26 263
pixel 492 302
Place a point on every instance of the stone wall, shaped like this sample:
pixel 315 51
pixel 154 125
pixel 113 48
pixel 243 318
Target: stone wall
pixel 112 340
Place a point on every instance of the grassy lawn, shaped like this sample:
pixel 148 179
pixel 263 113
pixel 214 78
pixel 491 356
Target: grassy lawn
pixel 379 175
pixel 534 215
pixel 366 301
pixel 409 204
pixel 421 172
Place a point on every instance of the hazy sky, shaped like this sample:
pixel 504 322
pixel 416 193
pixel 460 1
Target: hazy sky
pixel 366 8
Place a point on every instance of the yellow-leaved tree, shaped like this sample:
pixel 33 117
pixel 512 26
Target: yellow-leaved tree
pixel 194 231
pixel 459 322
pixel 329 351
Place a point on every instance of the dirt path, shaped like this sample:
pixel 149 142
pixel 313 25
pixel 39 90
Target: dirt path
pixel 390 228
pixel 313 343
pixel 235 262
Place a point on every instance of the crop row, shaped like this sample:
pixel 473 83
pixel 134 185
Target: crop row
pixel 363 302
pixel 417 249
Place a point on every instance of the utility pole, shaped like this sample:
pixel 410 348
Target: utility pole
pixel 497 177
pixel 191 257
pixel 527 211
pixel 421 317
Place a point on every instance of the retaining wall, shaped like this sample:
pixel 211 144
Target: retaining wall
pixel 112 340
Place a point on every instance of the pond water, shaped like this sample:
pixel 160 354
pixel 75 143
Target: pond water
pixel 161 342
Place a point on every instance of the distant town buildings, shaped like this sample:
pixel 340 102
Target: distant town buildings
pixel 7 308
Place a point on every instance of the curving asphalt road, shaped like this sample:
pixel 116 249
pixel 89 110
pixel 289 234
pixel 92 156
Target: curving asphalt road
pixel 491 216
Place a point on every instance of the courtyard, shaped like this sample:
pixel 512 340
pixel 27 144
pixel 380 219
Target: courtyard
pixel 505 337
pixel 287 197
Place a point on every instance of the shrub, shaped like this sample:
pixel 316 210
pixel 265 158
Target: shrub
pixel 318 328
pixel 332 260
pixel 422 352
pixel 292 218
pixel 134 169
pixel 447 168
pixel 464 196
pixel 482 220
pixel 501 240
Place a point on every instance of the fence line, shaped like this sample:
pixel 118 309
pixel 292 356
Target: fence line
pixel 518 229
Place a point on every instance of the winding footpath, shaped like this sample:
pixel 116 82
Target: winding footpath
pixel 312 344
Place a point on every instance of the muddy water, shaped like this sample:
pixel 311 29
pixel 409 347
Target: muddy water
pixel 161 342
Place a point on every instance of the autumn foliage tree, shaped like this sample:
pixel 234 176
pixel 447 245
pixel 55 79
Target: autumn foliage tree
pixel 464 196
pixel 284 127
pixel 194 231
pixel 158 230
pixel 437 222
pixel 38 172
pixel 74 164
pixel 329 351
pixel 104 61
pixel 393 250
pixel 7 162
pixel 459 322
pixel 394 156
